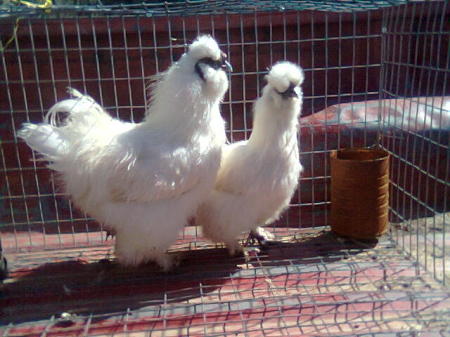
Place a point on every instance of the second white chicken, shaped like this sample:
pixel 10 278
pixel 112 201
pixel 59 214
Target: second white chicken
pixel 258 177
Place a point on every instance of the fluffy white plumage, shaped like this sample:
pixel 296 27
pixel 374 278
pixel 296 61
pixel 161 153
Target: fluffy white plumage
pixel 143 180
pixel 258 177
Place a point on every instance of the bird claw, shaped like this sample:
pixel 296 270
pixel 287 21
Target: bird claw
pixel 3 267
pixel 110 233
pixel 260 235
pixel 250 253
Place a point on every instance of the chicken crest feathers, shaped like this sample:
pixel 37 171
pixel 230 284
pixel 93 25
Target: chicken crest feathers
pixel 204 46
pixel 283 74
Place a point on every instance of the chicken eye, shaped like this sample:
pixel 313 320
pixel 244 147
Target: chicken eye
pixel 289 92
pixel 210 62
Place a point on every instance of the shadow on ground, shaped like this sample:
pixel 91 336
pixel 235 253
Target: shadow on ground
pixel 105 289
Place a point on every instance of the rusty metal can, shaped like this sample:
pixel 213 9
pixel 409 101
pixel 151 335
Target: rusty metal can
pixel 359 192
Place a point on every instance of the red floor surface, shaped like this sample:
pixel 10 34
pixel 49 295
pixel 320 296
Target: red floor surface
pixel 311 283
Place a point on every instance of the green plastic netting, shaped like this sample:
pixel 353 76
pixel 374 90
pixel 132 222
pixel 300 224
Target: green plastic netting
pixel 180 7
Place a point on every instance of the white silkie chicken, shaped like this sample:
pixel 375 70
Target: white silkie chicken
pixel 143 180
pixel 258 177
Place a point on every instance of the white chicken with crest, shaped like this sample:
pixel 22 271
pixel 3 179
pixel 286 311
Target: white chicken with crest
pixel 258 177
pixel 142 180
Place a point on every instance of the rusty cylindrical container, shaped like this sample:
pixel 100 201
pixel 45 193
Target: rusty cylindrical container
pixel 359 192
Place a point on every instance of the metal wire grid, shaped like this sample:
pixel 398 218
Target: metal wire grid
pixel 111 58
pixel 69 8
pixel 314 284
pixel 410 71
pixel 290 290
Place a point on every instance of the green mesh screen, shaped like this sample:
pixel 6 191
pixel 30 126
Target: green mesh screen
pixel 181 7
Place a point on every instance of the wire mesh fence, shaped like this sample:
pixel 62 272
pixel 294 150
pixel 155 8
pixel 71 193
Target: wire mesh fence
pixel 112 58
pixel 416 67
pixel 344 289
pixel 375 75
pixel 70 8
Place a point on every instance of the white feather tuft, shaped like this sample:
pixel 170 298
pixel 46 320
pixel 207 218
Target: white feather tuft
pixel 44 139
pixel 283 73
pixel 204 46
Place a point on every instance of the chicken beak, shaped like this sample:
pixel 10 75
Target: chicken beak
pixel 291 92
pixel 295 92
pixel 227 66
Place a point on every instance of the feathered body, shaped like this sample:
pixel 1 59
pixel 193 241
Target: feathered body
pixel 258 177
pixel 143 180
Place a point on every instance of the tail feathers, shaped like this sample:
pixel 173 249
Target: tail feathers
pixel 80 110
pixel 44 139
pixel 53 138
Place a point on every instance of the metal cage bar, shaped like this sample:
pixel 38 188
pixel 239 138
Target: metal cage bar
pixel 418 148
pixel 363 65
